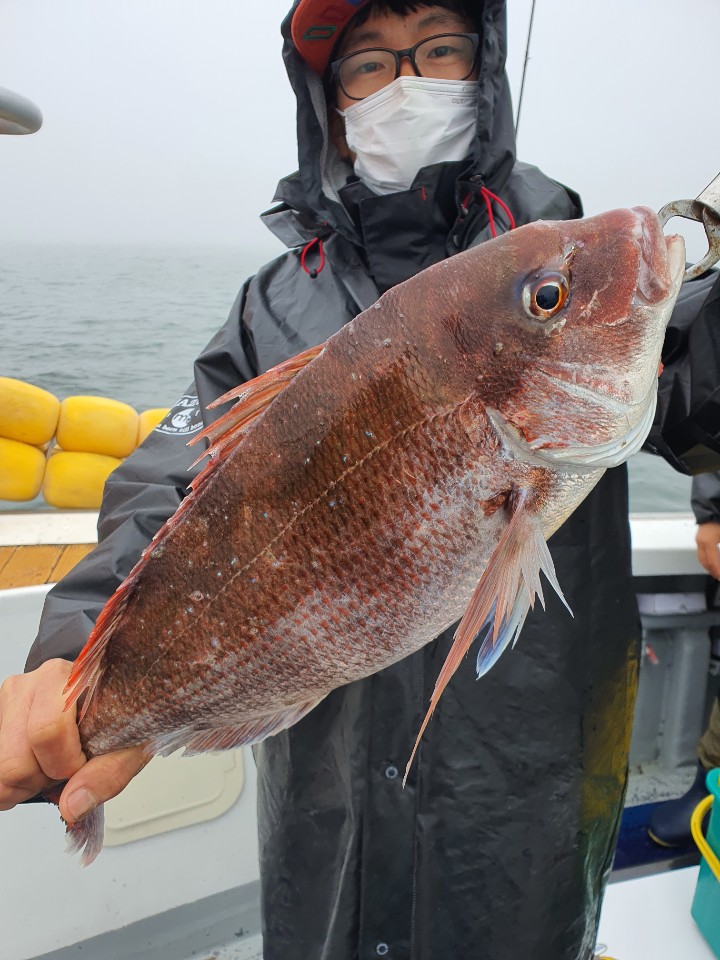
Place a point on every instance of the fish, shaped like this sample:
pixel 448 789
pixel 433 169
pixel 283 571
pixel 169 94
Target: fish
pixel 365 495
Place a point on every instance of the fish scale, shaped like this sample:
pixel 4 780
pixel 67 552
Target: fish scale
pixel 410 529
pixel 363 496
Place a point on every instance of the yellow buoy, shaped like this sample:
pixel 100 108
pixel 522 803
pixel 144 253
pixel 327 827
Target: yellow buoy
pixel 22 467
pixel 27 413
pixel 148 420
pixel 97 425
pixel 75 480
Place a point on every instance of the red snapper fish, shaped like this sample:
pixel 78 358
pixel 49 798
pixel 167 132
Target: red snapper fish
pixel 365 495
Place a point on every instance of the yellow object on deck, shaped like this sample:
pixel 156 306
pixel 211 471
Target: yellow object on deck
pixel 27 413
pixel 97 425
pixel 75 480
pixel 148 420
pixel 22 467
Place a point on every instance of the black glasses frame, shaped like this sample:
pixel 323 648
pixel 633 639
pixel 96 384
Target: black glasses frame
pixel 400 55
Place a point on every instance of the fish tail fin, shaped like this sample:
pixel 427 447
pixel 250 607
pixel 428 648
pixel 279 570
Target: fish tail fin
pixel 502 599
pixel 86 836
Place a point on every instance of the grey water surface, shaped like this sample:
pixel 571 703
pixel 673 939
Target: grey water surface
pixel 127 321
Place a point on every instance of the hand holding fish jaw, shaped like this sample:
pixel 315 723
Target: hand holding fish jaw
pixel 40 747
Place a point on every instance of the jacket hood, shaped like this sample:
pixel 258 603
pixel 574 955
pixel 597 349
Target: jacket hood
pixel 313 192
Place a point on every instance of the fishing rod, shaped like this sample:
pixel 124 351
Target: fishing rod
pixel 525 67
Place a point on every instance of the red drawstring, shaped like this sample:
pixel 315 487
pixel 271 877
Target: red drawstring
pixel 488 196
pixel 308 247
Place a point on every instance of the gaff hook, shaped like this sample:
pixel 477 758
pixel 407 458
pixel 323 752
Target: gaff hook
pixel 705 209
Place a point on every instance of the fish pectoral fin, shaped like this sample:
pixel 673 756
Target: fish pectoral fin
pixel 196 741
pixel 501 601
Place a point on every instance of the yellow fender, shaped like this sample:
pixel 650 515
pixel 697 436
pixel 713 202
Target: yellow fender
pixel 22 468
pixel 75 480
pixel 27 413
pixel 148 420
pixel 97 425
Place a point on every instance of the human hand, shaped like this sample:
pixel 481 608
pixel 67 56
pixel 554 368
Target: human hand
pixel 40 746
pixel 707 539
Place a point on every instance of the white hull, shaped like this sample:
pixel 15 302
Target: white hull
pixel 181 884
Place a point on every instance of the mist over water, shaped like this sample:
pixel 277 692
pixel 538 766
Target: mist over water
pixel 118 321
pixel 127 322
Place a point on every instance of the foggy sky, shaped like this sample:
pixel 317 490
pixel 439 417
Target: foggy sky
pixel 173 120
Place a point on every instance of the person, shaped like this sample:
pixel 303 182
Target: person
pixel 669 825
pixel 500 844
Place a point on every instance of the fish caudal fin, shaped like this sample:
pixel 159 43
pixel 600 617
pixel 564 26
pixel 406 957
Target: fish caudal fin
pixel 502 599
pixel 86 836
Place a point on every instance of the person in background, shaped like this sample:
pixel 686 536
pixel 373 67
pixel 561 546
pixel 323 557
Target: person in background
pixel 669 825
pixel 500 844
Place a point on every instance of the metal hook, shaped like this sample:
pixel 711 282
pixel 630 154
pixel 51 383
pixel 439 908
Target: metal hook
pixel 705 209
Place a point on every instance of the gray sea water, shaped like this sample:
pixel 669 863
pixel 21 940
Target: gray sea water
pixel 127 322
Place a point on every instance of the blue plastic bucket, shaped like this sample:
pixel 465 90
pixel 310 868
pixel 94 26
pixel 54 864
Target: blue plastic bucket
pixel 706 904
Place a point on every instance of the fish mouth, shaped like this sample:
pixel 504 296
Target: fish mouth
pixel 662 260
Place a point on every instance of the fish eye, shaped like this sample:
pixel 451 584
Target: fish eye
pixel 544 296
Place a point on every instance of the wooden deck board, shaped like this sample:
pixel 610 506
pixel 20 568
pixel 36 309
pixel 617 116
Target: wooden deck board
pixel 71 554
pixel 5 554
pixel 28 566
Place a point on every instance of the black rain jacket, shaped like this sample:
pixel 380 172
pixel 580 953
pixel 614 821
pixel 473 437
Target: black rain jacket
pixel 499 846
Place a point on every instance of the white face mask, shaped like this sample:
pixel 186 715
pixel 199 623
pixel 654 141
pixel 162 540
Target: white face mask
pixel 410 124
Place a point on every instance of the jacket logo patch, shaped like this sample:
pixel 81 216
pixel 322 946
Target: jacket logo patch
pixel 184 418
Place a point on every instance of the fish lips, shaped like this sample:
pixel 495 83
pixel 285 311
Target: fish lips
pixel 662 260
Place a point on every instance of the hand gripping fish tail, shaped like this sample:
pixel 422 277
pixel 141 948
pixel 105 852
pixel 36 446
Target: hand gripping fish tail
pixel 404 475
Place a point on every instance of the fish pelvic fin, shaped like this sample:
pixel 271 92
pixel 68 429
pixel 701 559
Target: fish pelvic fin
pixel 86 836
pixel 195 740
pixel 501 601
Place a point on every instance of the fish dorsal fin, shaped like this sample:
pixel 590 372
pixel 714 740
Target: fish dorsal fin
pixel 501 601
pixel 226 738
pixel 88 668
pixel 253 398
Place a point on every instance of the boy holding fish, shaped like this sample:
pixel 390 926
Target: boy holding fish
pixel 499 844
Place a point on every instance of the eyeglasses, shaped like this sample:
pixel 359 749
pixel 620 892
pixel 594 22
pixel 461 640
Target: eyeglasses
pixel 447 56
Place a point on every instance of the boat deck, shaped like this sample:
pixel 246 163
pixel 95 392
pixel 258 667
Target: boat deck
pixel 28 566
pixel 39 547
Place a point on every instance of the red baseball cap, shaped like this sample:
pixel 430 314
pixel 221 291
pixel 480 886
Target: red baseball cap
pixel 316 26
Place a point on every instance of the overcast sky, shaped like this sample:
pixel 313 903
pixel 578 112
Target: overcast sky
pixel 172 120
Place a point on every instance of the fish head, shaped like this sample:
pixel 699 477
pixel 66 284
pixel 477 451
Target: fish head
pixel 571 357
